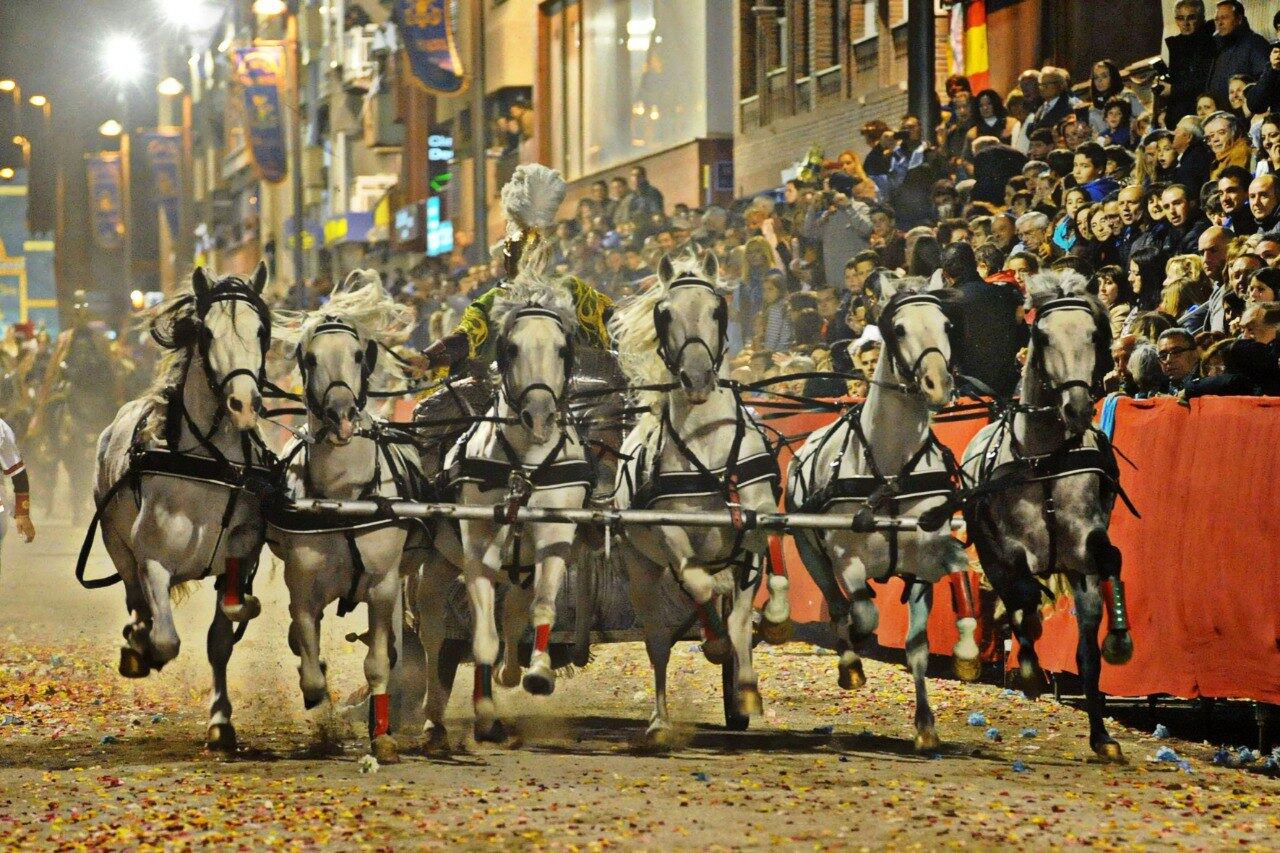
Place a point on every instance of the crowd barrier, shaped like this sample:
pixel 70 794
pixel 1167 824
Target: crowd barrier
pixel 1201 566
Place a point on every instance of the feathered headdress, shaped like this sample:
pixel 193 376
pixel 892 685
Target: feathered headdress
pixel 529 201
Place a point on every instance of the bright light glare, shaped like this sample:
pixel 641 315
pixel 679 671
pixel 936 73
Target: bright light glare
pixel 6 173
pixel 269 7
pixel 186 14
pixel 170 87
pixel 111 127
pixel 8 85
pixel 19 140
pixel 122 58
pixel 38 100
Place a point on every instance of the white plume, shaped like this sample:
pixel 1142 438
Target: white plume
pixel 532 197
pixel 1052 284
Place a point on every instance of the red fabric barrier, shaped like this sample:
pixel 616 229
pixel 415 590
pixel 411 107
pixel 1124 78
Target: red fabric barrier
pixel 1201 567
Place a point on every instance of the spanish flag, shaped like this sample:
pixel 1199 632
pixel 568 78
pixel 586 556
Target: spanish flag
pixel 976 63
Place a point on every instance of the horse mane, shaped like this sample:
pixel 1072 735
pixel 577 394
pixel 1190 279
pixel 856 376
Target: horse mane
pixel 533 286
pixel 636 337
pixel 173 325
pixel 362 302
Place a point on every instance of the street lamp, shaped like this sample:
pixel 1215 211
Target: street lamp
pixel 185 14
pixel 25 144
pixel 170 87
pixel 6 173
pixel 111 127
pixel 38 101
pixel 122 59
pixel 267 8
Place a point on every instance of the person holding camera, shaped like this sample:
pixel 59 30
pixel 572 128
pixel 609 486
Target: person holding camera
pixel 841 224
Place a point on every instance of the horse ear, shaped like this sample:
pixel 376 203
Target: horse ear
pixel 666 270
pixel 370 356
pixel 259 277
pixel 200 281
pixel 711 266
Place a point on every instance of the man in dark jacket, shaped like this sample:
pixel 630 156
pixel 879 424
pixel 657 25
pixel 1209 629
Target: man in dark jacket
pixel 989 330
pixel 994 163
pixel 1264 96
pixel 1186 222
pixel 1240 49
pixel 1191 55
pixel 1195 159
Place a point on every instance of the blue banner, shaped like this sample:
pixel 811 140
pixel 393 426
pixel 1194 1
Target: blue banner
pixel 106 201
pixel 428 40
pixel 260 72
pixel 164 154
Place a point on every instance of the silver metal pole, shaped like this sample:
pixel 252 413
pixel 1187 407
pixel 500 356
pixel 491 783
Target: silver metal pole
pixel 780 522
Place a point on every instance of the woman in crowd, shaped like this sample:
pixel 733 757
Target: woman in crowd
pixel 1104 85
pixel 993 118
pixel 1146 277
pixel 1065 232
pixel 1264 285
pixel 773 328
pixel 1269 137
pixel 1115 294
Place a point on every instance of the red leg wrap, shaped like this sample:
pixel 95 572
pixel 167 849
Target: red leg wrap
pixel 962 598
pixel 710 620
pixel 484 682
pixel 776 564
pixel 231 583
pixel 541 637
pixel 379 715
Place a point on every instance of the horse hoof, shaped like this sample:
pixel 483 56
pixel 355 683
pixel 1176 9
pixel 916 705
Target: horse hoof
pixel 851 676
pixel 311 701
pixel 776 633
pixel 248 608
pixel 660 737
pixel 385 750
pixel 1117 648
pixel 132 664
pixel 507 676
pixel 539 682
pixel 221 737
pixel 717 650
pixel 1033 682
pixel 927 740
pixel 493 732
pixel 749 702
pixel 967 669
pixel 1110 752
pixel 437 742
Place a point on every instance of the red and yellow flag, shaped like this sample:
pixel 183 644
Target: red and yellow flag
pixel 977 65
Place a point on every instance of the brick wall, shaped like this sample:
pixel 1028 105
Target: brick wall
pixel 760 154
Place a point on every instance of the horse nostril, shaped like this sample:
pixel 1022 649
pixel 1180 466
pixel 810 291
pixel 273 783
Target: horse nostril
pixel 929 383
pixel 351 413
pixel 685 379
pixel 236 404
pixel 526 419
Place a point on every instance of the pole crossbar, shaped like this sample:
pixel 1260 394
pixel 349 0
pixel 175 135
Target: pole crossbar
pixel 780 522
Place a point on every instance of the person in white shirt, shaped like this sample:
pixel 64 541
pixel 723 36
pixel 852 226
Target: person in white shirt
pixel 15 469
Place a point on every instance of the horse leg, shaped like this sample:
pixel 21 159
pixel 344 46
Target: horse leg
pixel 919 602
pixel 1117 648
pixel 1020 592
pixel 238 605
pixel 540 680
pixel 863 619
pixel 484 649
pixel 162 642
pixel 775 624
pixel 966 656
pixel 133 655
pixel 221 735
pixel 644 585
pixel 305 606
pixel 515 618
pixel 749 702
pixel 716 645
pixel 381 601
pixel 1088 606
pixel 433 587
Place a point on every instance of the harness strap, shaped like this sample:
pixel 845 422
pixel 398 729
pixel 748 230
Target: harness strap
pixel 348 602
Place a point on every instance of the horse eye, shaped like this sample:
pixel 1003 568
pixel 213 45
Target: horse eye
pixel 946 328
pixel 310 359
pixel 900 329
pixel 359 356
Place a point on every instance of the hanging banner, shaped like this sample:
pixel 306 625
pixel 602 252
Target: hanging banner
pixel 106 201
pixel 260 72
pixel 427 32
pixel 164 155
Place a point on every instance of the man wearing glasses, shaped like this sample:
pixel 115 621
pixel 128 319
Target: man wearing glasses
pixel 1179 358
pixel 1191 55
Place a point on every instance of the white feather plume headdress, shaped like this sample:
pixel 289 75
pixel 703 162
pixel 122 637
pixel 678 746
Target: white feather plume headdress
pixel 532 197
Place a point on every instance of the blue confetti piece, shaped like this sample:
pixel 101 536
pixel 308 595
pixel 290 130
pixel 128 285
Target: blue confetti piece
pixel 157 718
pixel 1184 765
pixel 10 720
pixel 1029 733
pixel 977 718
pixel 701 777
pixel 1164 753
pixel 993 735
pixel 1019 767
pixel 823 730
pixel 1246 755
pixel 109 739
pixel 1221 756
pixel 1161 732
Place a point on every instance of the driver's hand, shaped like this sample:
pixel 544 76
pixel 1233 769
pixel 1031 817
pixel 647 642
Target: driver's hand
pixel 25 527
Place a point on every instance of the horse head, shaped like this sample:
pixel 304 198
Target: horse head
pixel 335 362
pixel 1070 348
pixel 917 346
pixel 535 361
pixel 691 322
pixel 233 327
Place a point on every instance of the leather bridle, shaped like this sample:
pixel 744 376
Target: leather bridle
pixel 516 400
pixel 367 357
pixel 908 373
pixel 662 325
pixel 1066 303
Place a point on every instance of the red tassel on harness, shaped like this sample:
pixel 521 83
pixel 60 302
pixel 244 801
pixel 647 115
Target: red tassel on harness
pixel 541 637
pixel 712 627
pixel 483 688
pixel 962 597
pixel 379 715
pixel 231 583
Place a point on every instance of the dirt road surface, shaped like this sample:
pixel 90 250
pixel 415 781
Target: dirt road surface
pixel 88 759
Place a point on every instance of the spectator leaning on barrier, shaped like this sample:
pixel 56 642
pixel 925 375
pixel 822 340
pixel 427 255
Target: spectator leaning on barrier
pixel 1179 358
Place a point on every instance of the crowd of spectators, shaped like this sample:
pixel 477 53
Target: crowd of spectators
pixel 1165 197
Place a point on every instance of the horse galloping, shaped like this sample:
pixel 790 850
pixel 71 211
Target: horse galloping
pixel 178 478
pixel 1044 484
pixel 698 448
pixel 342 456
pixel 883 457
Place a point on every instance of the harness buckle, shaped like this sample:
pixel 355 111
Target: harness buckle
pixel 734 504
pixel 519 490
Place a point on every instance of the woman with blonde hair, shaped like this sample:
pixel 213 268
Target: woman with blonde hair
pixel 864 188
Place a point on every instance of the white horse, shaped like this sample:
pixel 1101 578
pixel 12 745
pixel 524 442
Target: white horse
pixel 882 458
pixel 338 457
pixel 1045 483
pixel 696 449
pixel 524 453
pixel 170 473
